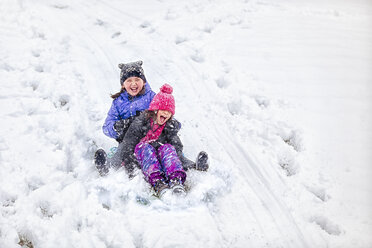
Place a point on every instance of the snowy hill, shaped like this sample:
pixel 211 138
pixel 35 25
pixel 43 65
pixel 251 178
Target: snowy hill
pixel 277 92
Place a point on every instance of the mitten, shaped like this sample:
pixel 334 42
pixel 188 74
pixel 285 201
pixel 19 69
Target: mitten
pixel 121 125
pixel 202 161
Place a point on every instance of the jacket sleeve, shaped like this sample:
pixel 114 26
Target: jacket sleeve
pixel 112 117
pixel 173 127
pixel 176 142
pixel 132 137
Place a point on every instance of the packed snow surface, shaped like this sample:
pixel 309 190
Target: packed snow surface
pixel 279 93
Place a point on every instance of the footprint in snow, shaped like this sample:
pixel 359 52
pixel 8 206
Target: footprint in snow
pixel 319 192
pixel 35 53
pixel 9 201
pixel 147 26
pixel 223 82
pixel 235 107
pixel 37 34
pixel 180 39
pixel 45 209
pixel 197 56
pixel 62 102
pixel 33 84
pixel 226 67
pixel 39 68
pixel 235 21
pixel 327 225
pixel 208 28
pixel 292 138
pixel 60 6
pixel 288 163
pixel 99 22
pixel 262 101
pixel 114 35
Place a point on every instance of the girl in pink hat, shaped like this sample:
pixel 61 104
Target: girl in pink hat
pixel 152 143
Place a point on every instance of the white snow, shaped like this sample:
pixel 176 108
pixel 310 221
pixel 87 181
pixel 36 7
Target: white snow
pixel 279 93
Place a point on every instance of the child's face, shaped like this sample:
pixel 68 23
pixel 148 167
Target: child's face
pixel 133 85
pixel 163 116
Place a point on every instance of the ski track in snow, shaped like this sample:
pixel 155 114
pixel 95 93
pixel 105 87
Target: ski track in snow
pixel 58 66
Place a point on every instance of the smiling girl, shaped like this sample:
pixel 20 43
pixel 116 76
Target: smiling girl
pixel 134 97
pixel 153 139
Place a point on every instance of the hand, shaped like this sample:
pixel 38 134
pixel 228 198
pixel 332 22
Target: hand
pixel 121 125
pixel 202 161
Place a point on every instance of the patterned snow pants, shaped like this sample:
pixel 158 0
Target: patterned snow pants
pixel 161 164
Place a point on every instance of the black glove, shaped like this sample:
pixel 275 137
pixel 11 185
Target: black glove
pixel 121 125
pixel 202 161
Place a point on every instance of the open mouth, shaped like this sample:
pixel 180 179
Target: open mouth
pixel 162 118
pixel 134 88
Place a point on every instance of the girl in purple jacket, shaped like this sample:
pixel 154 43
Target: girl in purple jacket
pixel 134 97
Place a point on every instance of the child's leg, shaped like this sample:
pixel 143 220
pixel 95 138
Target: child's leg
pixel 116 160
pixel 151 168
pixel 171 163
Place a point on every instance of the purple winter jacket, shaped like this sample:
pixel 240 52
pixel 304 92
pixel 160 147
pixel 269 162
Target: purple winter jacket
pixel 124 107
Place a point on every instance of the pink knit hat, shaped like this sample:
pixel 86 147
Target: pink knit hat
pixel 164 100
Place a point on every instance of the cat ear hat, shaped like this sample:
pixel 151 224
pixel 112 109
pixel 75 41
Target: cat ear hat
pixel 133 69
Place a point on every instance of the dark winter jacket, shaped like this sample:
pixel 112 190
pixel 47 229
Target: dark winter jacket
pixel 125 107
pixel 138 129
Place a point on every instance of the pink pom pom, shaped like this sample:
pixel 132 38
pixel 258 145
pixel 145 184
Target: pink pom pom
pixel 166 88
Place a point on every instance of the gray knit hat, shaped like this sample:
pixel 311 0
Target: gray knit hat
pixel 133 69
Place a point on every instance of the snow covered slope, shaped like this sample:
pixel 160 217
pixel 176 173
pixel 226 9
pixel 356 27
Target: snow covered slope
pixel 277 92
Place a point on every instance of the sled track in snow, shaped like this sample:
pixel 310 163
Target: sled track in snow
pixel 256 181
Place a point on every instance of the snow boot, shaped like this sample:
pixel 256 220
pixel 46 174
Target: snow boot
pixel 202 161
pixel 100 160
pixel 177 187
pixel 160 187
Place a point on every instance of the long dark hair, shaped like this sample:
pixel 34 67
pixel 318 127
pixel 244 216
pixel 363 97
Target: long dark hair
pixel 150 114
pixel 116 95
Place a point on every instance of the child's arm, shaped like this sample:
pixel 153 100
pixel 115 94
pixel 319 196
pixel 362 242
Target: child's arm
pixel 108 126
pixel 173 127
pixel 132 137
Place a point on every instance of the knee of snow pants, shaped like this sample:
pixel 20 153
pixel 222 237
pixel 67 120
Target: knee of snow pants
pixel 171 163
pixel 146 156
